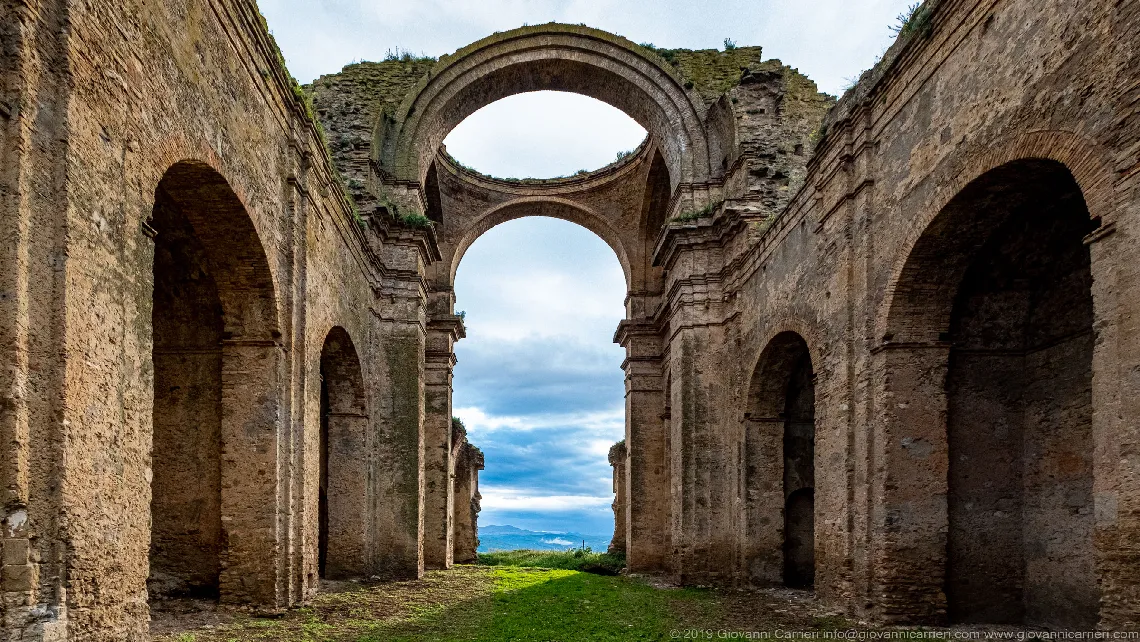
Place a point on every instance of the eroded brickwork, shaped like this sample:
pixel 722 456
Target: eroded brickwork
pixel 468 463
pixel 617 458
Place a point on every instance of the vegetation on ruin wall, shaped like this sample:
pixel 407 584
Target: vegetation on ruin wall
pixel 911 26
pixel 693 215
pixel 379 86
pixel 915 20
pixel 710 71
pixel 413 220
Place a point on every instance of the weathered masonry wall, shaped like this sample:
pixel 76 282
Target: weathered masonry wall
pixel 181 250
pixel 960 264
pixel 468 463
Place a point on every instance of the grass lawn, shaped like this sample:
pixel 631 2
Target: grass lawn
pixel 502 603
pixel 572 560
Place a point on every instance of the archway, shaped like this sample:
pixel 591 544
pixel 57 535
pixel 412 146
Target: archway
pixel 344 498
pixel 1003 279
pixel 538 380
pixel 547 57
pixel 779 466
pixel 540 207
pixel 216 362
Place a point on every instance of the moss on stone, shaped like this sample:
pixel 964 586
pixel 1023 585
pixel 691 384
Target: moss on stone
pixel 711 72
pixel 378 86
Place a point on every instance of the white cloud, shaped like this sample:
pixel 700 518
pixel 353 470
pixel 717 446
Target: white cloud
pixel 540 278
pixel 480 424
pixel 524 500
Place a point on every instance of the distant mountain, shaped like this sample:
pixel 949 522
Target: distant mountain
pixel 509 538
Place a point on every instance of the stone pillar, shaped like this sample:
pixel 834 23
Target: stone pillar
pixel 908 487
pixel 468 463
pixel 618 455
pixel 398 425
pixel 1116 407
pixel 706 504
pixel 439 465
pixel 252 493
pixel 703 432
pixel 647 474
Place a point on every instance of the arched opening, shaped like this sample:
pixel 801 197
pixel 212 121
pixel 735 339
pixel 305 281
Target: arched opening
pixel 1003 280
pixel 1019 409
pixel 216 360
pixel 779 466
pixel 654 206
pixel 543 208
pixel 538 381
pixel 564 58
pixel 186 493
pixel 345 474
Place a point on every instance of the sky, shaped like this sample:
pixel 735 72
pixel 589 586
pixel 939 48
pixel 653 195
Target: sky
pixel 538 382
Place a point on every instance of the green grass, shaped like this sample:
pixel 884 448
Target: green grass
pixel 499 603
pixel 579 559
pixel 690 216
pixel 549 604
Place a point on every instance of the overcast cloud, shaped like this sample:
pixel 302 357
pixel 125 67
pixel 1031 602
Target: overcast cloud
pixel 539 381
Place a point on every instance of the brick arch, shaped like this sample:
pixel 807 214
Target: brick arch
pixel 233 245
pixel 777 445
pixel 779 345
pixel 344 528
pixel 340 361
pixel 218 364
pixel 990 274
pixel 550 206
pixel 790 324
pixel 557 57
pixel 1086 161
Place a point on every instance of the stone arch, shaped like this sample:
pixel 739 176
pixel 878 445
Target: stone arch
pixel 557 57
pixel 218 364
pixel 1086 161
pixel 654 208
pixel 344 470
pixel 989 346
pixel 549 206
pixel 779 465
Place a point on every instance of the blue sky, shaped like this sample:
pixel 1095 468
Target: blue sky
pixel 539 381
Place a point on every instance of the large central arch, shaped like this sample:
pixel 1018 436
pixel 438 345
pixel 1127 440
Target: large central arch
pixel 547 57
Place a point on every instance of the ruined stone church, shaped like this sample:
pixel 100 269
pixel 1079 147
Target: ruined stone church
pixel 885 347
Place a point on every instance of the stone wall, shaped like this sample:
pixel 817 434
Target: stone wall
pixel 468 463
pixel 617 457
pixel 877 266
pixel 181 249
